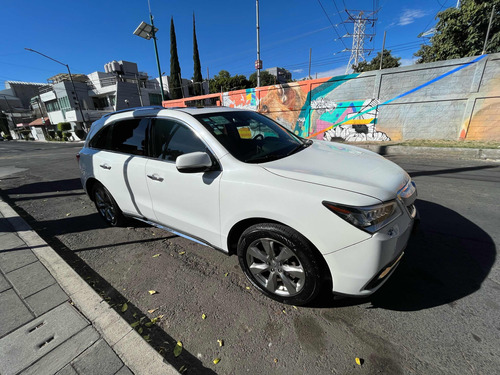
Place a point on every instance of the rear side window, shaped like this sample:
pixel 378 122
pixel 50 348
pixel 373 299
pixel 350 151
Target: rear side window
pixel 102 139
pixel 130 136
pixel 172 139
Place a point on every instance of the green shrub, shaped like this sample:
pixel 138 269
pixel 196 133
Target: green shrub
pixel 63 126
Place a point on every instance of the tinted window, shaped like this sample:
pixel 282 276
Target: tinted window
pixel 129 136
pixel 101 139
pixel 172 139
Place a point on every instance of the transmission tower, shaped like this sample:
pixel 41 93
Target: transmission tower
pixel 360 21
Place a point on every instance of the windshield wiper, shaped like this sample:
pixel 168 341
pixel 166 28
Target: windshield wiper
pixel 306 144
pixel 264 158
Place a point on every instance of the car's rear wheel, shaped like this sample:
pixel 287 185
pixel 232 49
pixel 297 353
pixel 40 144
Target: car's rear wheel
pixel 106 206
pixel 280 262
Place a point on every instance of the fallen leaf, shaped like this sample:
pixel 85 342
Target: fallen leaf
pixel 160 317
pixel 221 342
pixel 203 316
pixel 149 324
pixel 140 330
pixel 156 255
pixel 284 311
pixel 295 307
pixel 359 361
pixel 124 307
pixel 154 320
pixel 178 349
pixel 226 274
pixel 152 310
pixel 183 369
pixel 248 288
pixel 146 337
pixel 152 292
pixel 182 253
pixel 275 360
pixel 216 360
pixel 68 214
pixel 135 324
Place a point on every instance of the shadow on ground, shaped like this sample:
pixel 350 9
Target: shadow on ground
pixel 157 338
pixel 447 259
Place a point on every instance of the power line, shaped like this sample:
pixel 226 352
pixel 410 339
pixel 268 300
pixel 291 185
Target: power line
pixel 334 28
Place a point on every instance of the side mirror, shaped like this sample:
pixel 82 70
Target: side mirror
pixel 193 162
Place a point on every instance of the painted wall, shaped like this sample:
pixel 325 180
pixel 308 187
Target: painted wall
pixel 443 100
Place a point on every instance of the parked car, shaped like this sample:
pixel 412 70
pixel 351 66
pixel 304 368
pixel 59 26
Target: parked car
pixel 300 214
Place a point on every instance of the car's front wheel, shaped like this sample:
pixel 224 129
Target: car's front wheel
pixel 280 262
pixel 107 206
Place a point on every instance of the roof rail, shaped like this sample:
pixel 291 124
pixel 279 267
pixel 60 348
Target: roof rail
pixel 135 109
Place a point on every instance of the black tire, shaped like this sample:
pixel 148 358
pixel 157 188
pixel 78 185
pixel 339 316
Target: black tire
pixel 281 263
pixel 107 207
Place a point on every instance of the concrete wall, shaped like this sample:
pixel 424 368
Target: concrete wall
pixel 443 100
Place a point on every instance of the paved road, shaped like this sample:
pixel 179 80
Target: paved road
pixel 438 314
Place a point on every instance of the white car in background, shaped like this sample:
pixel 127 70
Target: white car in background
pixel 300 214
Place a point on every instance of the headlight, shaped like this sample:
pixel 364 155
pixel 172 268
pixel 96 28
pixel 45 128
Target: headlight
pixel 369 218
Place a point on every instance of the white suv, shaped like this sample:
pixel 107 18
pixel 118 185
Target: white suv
pixel 299 213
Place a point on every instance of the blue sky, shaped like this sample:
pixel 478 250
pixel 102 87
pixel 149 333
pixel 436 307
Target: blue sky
pixel 87 34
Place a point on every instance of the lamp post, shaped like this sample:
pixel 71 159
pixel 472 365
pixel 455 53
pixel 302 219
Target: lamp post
pixel 72 84
pixel 148 32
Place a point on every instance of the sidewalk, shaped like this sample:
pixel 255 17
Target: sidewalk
pixel 52 322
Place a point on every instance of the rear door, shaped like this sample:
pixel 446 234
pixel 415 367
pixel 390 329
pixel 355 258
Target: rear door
pixel 186 202
pixel 121 163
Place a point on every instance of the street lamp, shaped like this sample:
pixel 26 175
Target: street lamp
pixel 72 84
pixel 148 32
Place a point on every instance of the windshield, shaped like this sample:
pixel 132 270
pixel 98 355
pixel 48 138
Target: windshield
pixel 251 137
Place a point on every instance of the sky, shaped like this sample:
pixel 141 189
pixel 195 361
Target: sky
pixel 88 34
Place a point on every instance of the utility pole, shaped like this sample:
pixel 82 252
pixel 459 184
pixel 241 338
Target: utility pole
pixel 139 89
pixel 382 55
pixel 77 101
pixel 258 62
pixel 488 32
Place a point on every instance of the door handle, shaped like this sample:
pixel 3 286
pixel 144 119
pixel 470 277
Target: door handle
pixel 105 166
pixel 155 177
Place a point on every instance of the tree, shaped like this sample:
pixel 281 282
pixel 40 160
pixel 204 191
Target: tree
pixel 175 69
pixel 388 61
pixel 224 82
pixel 460 32
pixel 266 79
pixel 197 77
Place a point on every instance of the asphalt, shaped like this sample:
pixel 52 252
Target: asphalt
pixel 53 322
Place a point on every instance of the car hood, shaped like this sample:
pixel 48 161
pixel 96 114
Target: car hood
pixel 344 167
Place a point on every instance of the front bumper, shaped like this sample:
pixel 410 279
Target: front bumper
pixel 362 268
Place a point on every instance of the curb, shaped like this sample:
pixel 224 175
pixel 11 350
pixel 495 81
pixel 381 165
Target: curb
pixel 135 353
pixel 458 153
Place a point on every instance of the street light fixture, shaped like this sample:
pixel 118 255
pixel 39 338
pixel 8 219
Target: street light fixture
pixel 72 84
pixel 148 32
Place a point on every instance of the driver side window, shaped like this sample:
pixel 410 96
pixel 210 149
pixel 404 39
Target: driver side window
pixel 172 139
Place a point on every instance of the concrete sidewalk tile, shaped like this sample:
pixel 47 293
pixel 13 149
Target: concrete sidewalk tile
pixel 29 343
pixel 99 359
pixel 30 279
pixel 46 299
pixel 14 253
pixel 58 358
pixel 5 227
pixel 67 370
pixel 140 357
pixel 13 312
pixel 124 371
pixel 4 284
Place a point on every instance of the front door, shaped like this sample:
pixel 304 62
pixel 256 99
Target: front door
pixel 186 202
